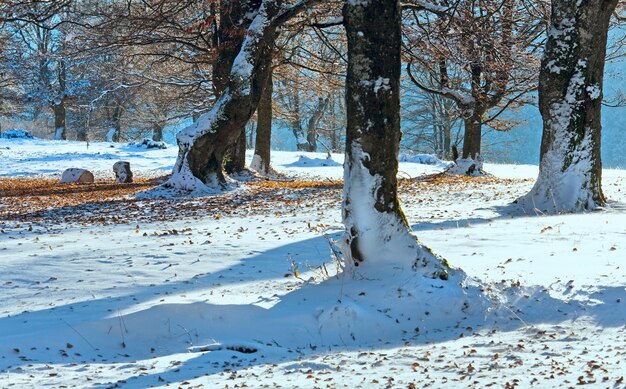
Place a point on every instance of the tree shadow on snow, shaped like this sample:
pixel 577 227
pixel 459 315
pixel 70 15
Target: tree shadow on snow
pixel 505 212
pixel 320 317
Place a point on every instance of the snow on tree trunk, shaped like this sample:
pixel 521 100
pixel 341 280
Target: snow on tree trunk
pixel 112 135
pixel 570 98
pixel 58 106
pixel 378 236
pixel 203 144
pixel 262 146
pixel 314 120
pixel 59 121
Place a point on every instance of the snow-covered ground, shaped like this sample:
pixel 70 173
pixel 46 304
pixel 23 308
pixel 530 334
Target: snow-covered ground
pixel 240 289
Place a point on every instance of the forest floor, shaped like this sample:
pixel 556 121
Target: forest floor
pixel 108 285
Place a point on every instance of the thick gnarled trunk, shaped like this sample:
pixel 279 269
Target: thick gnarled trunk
pixel 570 98
pixel 262 146
pixel 202 146
pixel 377 236
pixel 235 160
pixel 235 18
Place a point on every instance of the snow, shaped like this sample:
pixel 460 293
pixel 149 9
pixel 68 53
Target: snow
pixel 16 133
pixel 564 184
pixel 382 238
pixel 244 62
pixel 149 144
pixel 111 134
pixel 468 166
pixel 257 164
pixel 381 83
pixel 426 159
pixel 58 133
pixel 304 161
pixel 33 158
pixel 210 297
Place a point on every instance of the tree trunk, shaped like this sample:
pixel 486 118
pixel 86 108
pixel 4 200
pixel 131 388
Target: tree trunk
pixel 59 121
pixel 202 145
pixel 447 137
pixel 262 147
pixel 377 236
pixel 570 98
pixel 117 123
pixel 472 136
pixel 314 121
pixel 302 144
pixel 81 134
pixel 235 161
pixel 59 105
pixel 157 132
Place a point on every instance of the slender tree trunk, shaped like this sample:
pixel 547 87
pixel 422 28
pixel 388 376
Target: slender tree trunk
pixel 377 234
pixel 117 123
pixel 262 147
pixel 58 107
pixel 570 98
pixel 472 136
pixel 202 145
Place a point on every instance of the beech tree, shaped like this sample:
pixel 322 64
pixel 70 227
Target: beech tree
pixel 203 145
pixel 262 147
pixel 378 235
pixel 480 54
pixel 309 75
pixel 570 100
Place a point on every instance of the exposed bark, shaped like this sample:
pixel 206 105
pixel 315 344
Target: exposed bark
pixel 306 139
pixel 157 132
pixel 81 134
pixel 472 136
pixel 116 119
pixel 58 105
pixel 262 146
pixel 234 20
pixel 235 161
pixel 60 131
pixel 202 146
pixel 314 120
pixel 376 228
pixel 570 98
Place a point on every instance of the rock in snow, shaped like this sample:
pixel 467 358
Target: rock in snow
pixel 76 175
pixel 122 171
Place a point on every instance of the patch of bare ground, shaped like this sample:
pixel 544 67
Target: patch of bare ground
pixel 105 202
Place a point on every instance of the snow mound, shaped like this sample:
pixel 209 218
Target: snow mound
pixel 304 161
pixel 16 133
pixel 468 167
pixel 149 144
pixel 424 159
